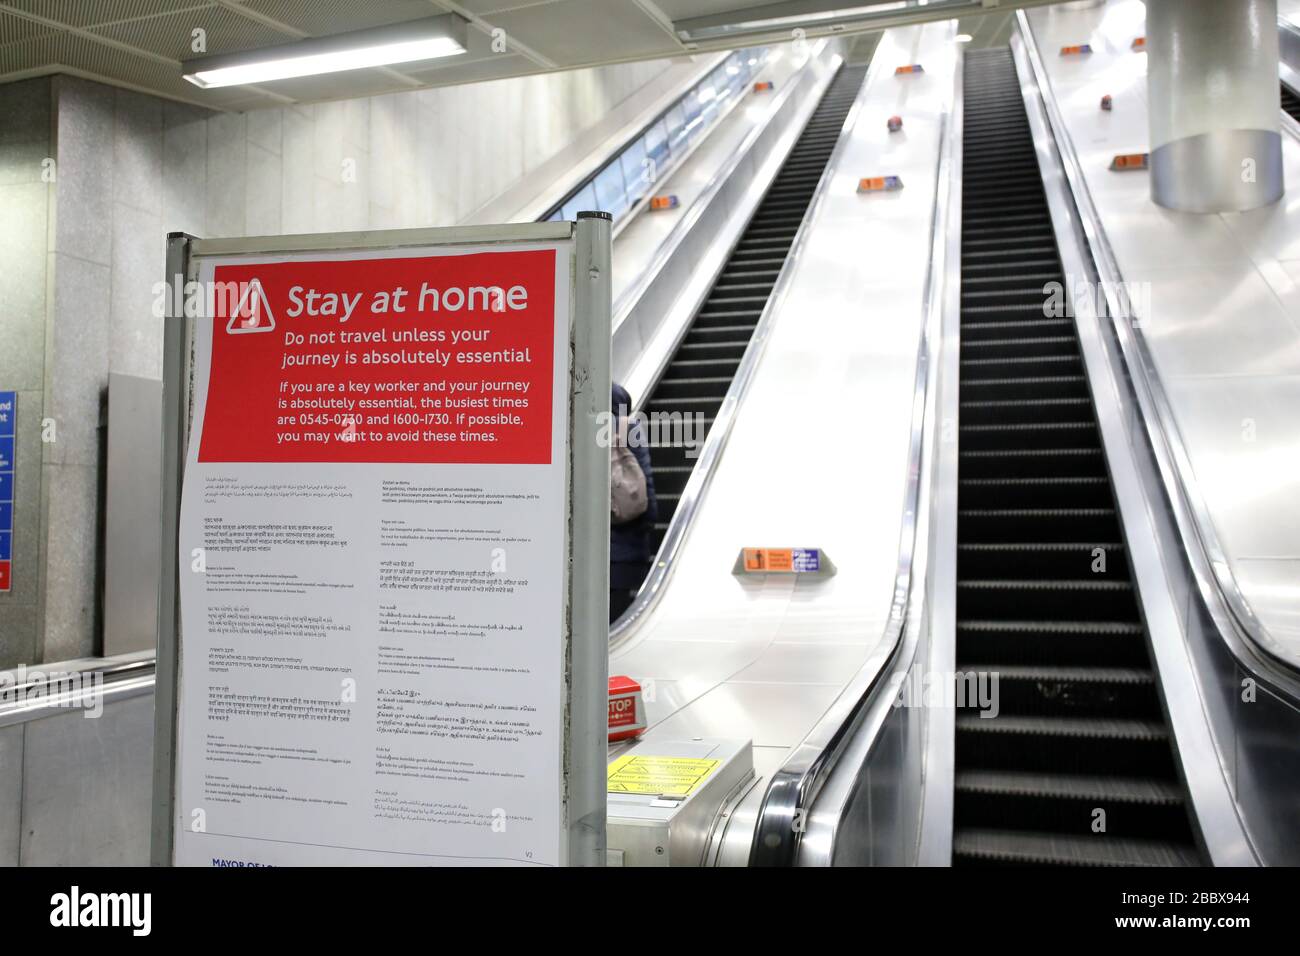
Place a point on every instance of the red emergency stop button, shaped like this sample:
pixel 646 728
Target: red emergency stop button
pixel 626 708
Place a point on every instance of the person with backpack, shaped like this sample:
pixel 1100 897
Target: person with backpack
pixel 632 505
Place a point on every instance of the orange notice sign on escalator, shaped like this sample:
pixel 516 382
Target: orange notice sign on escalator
pixel 769 559
pixel 783 561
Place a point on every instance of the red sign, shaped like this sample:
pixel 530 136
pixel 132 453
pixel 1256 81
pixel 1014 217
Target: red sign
pixel 626 708
pixel 4 575
pixel 1130 161
pixel 428 359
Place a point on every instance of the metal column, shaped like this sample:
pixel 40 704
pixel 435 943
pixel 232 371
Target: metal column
pixel 1212 85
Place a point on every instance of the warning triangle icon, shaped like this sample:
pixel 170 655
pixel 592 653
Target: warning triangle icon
pixel 252 313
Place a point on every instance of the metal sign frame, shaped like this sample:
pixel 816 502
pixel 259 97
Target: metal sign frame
pixel 586 547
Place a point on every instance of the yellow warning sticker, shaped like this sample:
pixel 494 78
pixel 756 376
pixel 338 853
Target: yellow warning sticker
pixel 671 776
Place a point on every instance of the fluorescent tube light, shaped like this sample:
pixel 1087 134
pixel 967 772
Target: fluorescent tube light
pixel 425 39
pixel 820 16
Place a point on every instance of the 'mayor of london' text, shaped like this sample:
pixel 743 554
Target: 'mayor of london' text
pixel 342 305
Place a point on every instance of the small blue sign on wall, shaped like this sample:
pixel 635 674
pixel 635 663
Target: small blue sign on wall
pixel 807 560
pixel 8 409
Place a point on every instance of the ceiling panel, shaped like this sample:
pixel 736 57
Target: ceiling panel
pixel 336 86
pixel 494 68
pixel 485 8
pixel 14 29
pixel 141 43
pixel 684 9
pixel 87 58
pixel 324 17
pixel 171 35
pixel 573 32
pixel 478 47
pixel 85 13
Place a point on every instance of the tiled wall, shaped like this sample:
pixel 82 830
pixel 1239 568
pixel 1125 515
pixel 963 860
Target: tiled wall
pixel 25 215
pixel 132 168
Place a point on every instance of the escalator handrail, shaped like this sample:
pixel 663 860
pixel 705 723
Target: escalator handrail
pixel 629 297
pixel 702 474
pixel 1287 74
pixel 40 690
pixel 795 786
pixel 1245 634
pixel 614 155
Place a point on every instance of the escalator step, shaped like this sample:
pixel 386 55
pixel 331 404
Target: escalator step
pixel 714 333
pixel 1018 411
pixel 1034 296
pixel 1075 691
pixel 1017 277
pixel 729 286
pixel 1042 524
pixel 1043 559
pixel 1009 217
pixel 749 274
pixel 982 313
pixel 1027 366
pixel 1023 344
pixel 1041 435
pixel 993 642
pixel 699 387
pixel 711 349
pixel 757 258
pixel 1037 599
pixel 991 847
pixel 1034 492
pixel 1065 728
pixel 1054 744
pixel 1019 254
pixel 1026 388
pixel 1067 804
pixel 1032 463
pixel 671 478
pixel 725 321
pixel 1023 328
pixel 1096 789
pixel 1035 208
pixel 993 199
pixel 687 366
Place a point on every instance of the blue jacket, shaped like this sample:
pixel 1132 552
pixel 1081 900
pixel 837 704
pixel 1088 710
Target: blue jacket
pixel 629 543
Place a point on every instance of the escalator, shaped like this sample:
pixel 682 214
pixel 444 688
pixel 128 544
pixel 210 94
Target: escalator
pixel 1077 766
pixel 697 378
pixel 1290 103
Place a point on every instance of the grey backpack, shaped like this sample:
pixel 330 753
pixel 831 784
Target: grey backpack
pixel 627 492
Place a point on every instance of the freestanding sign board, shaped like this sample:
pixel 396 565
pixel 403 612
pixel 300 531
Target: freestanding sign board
pixel 384 639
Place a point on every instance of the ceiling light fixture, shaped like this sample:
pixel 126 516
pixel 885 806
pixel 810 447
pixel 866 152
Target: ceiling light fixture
pixel 817 17
pixel 424 39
